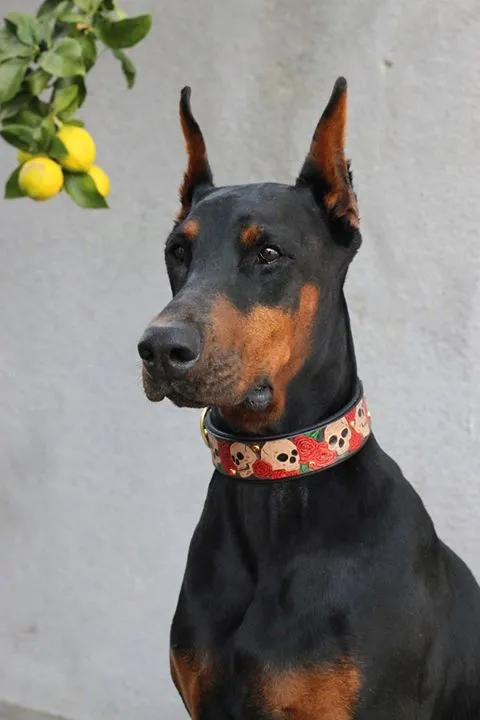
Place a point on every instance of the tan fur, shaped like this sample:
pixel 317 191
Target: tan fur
pixel 190 229
pixel 197 160
pixel 329 693
pixel 191 676
pixel 249 235
pixel 270 342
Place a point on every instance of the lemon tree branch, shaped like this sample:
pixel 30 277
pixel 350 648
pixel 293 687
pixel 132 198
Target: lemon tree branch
pixel 45 60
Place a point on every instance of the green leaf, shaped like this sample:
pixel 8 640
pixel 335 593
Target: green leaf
pixel 82 91
pixel 45 29
pixel 57 149
pixel 37 81
pixel 83 5
pixel 12 186
pixel 38 106
pixel 47 141
pixel 64 97
pixel 58 32
pixel 20 136
pixel 82 88
pixel 75 122
pixel 27 117
pixel 89 49
pixel 65 59
pixel 49 123
pixel 27 27
pixel 66 114
pixel 73 18
pixel 11 109
pixel 54 7
pixel 128 67
pixel 313 434
pixel 41 136
pixel 11 47
pixel 12 73
pixel 83 191
pixel 49 126
pixel 304 468
pixel 79 99
pixel 88 6
pixel 124 33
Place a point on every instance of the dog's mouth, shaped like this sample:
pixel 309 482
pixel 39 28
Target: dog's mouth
pixel 259 398
pixel 197 393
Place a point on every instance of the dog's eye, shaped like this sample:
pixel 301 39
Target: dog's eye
pixel 268 256
pixel 178 252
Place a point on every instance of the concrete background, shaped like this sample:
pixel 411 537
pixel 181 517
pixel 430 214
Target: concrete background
pixel 97 504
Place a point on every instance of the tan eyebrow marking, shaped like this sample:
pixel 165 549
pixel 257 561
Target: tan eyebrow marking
pixel 250 234
pixel 190 229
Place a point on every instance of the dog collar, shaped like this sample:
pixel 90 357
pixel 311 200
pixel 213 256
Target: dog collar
pixel 316 448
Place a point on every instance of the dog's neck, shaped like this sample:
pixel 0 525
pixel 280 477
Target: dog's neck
pixel 328 379
pixel 324 385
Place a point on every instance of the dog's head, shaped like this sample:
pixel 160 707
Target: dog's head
pixel 256 272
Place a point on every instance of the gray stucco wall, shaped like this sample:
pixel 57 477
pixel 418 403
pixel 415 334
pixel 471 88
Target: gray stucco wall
pixel 96 505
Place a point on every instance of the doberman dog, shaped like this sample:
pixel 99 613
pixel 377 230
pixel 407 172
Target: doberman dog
pixel 316 587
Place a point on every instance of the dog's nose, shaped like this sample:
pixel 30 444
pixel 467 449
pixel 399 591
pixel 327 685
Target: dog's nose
pixel 173 348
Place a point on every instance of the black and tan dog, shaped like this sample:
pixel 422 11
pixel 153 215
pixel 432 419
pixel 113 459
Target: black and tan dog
pixel 316 587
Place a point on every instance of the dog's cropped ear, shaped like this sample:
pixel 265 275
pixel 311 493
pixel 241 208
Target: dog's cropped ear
pixel 198 173
pixel 326 171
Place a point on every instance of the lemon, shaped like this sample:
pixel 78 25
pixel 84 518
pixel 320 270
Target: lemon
pixel 40 178
pixel 23 156
pixel 101 180
pixel 80 147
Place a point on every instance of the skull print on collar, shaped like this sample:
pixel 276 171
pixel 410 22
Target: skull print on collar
pixel 282 456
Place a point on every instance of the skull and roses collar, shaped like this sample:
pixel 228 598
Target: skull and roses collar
pixel 316 448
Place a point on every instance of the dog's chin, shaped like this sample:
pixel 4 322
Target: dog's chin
pixel 182 394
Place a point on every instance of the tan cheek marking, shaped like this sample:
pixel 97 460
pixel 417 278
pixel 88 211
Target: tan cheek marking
pixel 249 235
pixel 330 693
pixel 271 342
pixel 190 229
pixel 192 676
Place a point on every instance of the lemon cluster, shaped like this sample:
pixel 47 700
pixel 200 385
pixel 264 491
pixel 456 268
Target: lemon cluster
pixel 41 177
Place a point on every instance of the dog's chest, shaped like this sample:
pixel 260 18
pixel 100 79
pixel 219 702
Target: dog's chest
pixel 329 691
pixel 259 649
pixel 252 636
